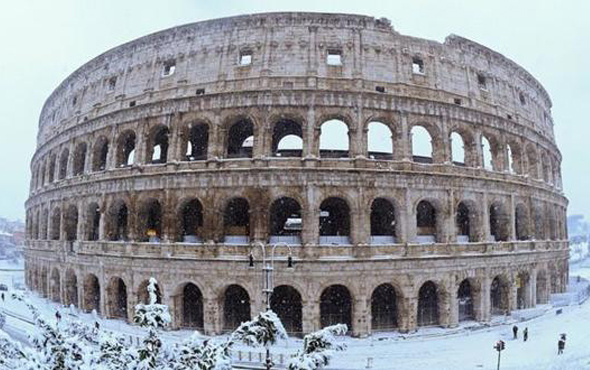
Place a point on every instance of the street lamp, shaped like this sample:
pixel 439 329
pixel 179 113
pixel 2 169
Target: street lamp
pixel 268 284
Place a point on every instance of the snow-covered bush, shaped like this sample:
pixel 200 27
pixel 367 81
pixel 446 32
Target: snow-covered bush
pixel 203 355
pixel 2 320
pixel 264 330
pixel 318 348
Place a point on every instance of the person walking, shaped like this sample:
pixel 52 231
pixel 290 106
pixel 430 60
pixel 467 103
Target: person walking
pixel 560 346
pixel 2 297
pixel 525 334
pixel 57 316
pixel 515 332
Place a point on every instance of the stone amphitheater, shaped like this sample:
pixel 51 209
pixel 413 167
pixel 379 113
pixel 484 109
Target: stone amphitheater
pixel 410 182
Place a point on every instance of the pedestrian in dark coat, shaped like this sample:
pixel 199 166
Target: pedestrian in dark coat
pixel 560 346
pixel 525 334
pixel 2 297
pixel 57 316
pixel 515 331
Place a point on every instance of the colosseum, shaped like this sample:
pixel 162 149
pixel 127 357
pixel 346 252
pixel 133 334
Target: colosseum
pixel 394 182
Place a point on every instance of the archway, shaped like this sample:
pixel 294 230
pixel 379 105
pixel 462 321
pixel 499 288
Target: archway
pixel 126 149
pixel 117 293
pixel 334 141
pixel 384 313
pixel 521 220
pixel 93 222
pixel 91 293
pixel 334 222
pixel 542 287
pixel 422 149
pixel 379 141
pixel 457 149
pixel 150 221
pixel 191 220
pixel 426 222
pixel 465 301
pixel 236 221
pixel 428 314
pixel 499 222
pixel 71 223
pixel 285 221
pixel 522 290
pixel 383 222
pixel 336 306
pixel 287 139
pixel 236 307
pixel 198 142
pixel 80 159
pixel 71 285
pixel 240 139
pixel 99 154
pixel 499 292
pixel 192 306
pixel 118 218
pixel 487 153
pixel 463 223
pixel 158 148
pixel 285 301
pixel 63 164
pixel 55 286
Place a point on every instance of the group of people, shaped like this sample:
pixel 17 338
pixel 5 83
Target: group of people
pixel 525 337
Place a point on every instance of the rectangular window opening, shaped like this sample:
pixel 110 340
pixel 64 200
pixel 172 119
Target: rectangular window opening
pixel 482 82
pixel 417 66
pixel 509 116
pixel 112 84
pixel 334 57
pixel 200 91
pixel 132 103
pixel 169 68
pixel 380 89
pixel 522 99
pixel 245 57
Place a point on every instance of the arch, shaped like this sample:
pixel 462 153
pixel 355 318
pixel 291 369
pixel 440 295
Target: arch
pixel 521 222
pixel 100 152
pixel 428 300
pixel 457 149
pixel 43 225
pixel 334 140
pixel 125 153
pixel 93 216
pixel 118 221
pixel 143 295
pixel 383 222
pixel 71 223
pixel 191 221
pixel 384 308
pixel 522 290
pixel 150 221
pixel 158 145
pixel 192 307
pixel 499 222
pixel 117 298
pixel 499 293
pixel 286 302
pixel 542 287
pixel 422 148
pixel 240 139
pixel 91 293
pixel 465 301
pixel 55 283
pixel 463 224
pixel 285 221
pixel 487 154
pixel 63 164
pixel 532 159
pixel 287 139
pixel 71 287
pixel 236 221
pixel 41 175
pixel 334 221
pixel 426 222
pixel 336 306
pixel 379 141
pixel 236 307
pixel 52 164
pixel 514 158
pixel 55 224
pixel 80 159
pixel 197 142
pixel 43 281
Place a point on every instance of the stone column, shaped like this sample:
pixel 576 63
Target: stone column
pixel 311 215
pixel 533 288
pixel 408 320
pixel 310 315
pixel 360 317
pixel 310 134
pixel 453 307
pixel 141 143
pixel 511 218
pixel 402 147
pixel 211 316
pixel 410 219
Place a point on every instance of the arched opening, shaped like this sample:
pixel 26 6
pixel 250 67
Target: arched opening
pixel 463 223
pixel 336 306
pixel 71 286
pixel 457 149
pixel 63 164
pixel 91 293
pixel 43 281
pixel 92 222
pixel 192 307
pixel 499 291
pixel 287 139
pixel 52 161
pixel 425 222
pixel 44 220
pixel 487 153
pixel 542 288
pixel 428 305
pixel 334 141
pixel 511 162
pixel 126 149
pixel 240 139
pixel 521 220
pixel 236 307
pixel 285 301
pixel 41 176
pixel 80 159
pixel 379 141
pixel 55 286
pixel 236 221
pixel 383 224
pixel 384 308
pixel 99 154
pixel 117 293
pixel 150 221
pixel 143 294
pixel 532 159
pixel 465 301
pixel 499 222
pixel 158 149
pixel 334 222
pixel 55 224
pixel 198 142
pixel 118 219
pixel 285 221
pixel 422 150
pixel 191 219
pixel 522 291
pixel 71 223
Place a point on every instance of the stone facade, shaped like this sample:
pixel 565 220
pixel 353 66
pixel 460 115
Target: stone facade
pixel 162 157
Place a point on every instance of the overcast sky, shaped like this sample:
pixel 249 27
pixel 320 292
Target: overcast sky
pixel 43 41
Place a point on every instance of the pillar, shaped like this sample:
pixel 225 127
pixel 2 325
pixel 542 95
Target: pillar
pixel 360 317
pixel 310 315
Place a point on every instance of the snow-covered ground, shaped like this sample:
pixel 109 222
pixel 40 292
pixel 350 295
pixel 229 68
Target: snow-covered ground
pixel 460 348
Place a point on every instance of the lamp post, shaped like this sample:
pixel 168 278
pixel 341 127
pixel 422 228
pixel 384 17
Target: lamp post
pixel 268 284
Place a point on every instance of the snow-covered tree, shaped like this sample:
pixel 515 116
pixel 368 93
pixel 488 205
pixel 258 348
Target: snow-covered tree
pixel 264 330
pixel 11 353
pixel 196 354
pixel 318 348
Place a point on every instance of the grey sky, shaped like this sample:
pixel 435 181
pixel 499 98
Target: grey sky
pixel 43 41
